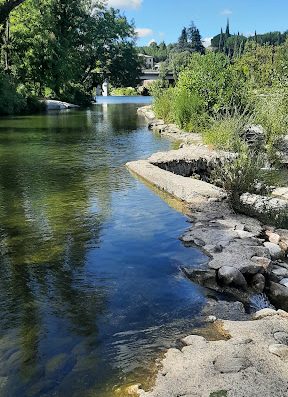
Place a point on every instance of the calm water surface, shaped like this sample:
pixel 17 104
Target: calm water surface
pixel 90 285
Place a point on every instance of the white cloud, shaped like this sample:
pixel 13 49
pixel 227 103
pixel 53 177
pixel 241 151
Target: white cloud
pixel 143 32
pixel 226 12
pixel 125 3
pixel 207 41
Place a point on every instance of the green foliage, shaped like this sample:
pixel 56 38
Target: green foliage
pixel 63 49
pixel 163 103
pixel 188 110
pixel 10 100
pixel 125 91
pixel 224 132
pixel 271 111
pixel 213 79
pixel 239 174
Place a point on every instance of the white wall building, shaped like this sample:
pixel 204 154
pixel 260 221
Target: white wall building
pixel 148 61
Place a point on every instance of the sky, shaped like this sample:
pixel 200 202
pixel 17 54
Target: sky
pixel 160 20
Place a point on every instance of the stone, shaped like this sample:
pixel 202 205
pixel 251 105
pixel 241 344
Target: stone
pixel 242 234
pixel 204 277
pixel 225 364
pixel 263 262
pixel 281 337
pixel 278 295
pixel 211 319
pixel 274 238
pixel 279 350
pixel 258 283
pixel 194 340
pixel 228 275
pixel 284 282
pixel 280 272
pixel 283 244
pixel 264 313
pixel 274 249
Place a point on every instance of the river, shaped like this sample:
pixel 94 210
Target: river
pixel 90 287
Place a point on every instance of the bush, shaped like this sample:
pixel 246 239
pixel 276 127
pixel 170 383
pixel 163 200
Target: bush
pixel 213 79
pixel 224 131
pixel 76 94
pixel 271 111
pixel 188 110
pixel 10 100
pixel 163 104
pixel 125 91
pixel 240 174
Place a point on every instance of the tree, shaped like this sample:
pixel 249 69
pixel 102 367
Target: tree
pixel 195 42
pixel 183 40
pixel 227 33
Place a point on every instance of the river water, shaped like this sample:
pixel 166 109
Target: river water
pixel 90 287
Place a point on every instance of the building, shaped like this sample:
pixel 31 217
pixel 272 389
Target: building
pixel 148 61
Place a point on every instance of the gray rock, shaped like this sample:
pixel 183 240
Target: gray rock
pixel 278 295
pixel 254 136
pixel 228 275
pixel 264 263
pixel 281 337
pixel 284 282
pixel 224 364
pixel 274 249
pixel 258 282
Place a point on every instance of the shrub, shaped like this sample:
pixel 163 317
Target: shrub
pixel 271 111
pixel 224 131
pixel 188 110
pixel 124 91
pixel 215 81
pixel 76 94
pixel 10 100
pixel 240 174
pixel 163 104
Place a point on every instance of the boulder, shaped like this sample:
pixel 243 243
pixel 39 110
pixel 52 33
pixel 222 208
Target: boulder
pixel 278 295
pixel 284 282
pixel 254 136
pixel 258 283
pixel 228 275
pixel 275 250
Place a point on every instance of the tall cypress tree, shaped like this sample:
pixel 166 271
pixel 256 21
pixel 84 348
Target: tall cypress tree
pixel 227 33
pixel 221 41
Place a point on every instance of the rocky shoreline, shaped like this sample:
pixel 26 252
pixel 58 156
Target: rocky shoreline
pixel 246 261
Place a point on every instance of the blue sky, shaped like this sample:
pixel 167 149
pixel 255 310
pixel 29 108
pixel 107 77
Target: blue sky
pixel 163 20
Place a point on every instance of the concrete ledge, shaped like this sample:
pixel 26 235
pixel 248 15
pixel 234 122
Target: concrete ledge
pixel 186 189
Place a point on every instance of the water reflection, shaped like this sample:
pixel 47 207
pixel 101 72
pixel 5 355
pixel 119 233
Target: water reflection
pixel 89 284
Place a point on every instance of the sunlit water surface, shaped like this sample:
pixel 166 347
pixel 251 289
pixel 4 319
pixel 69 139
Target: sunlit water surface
pixel 90 285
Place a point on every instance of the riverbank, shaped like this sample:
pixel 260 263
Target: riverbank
pixel 246 260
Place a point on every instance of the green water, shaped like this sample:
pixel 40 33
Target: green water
pixel 90 287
